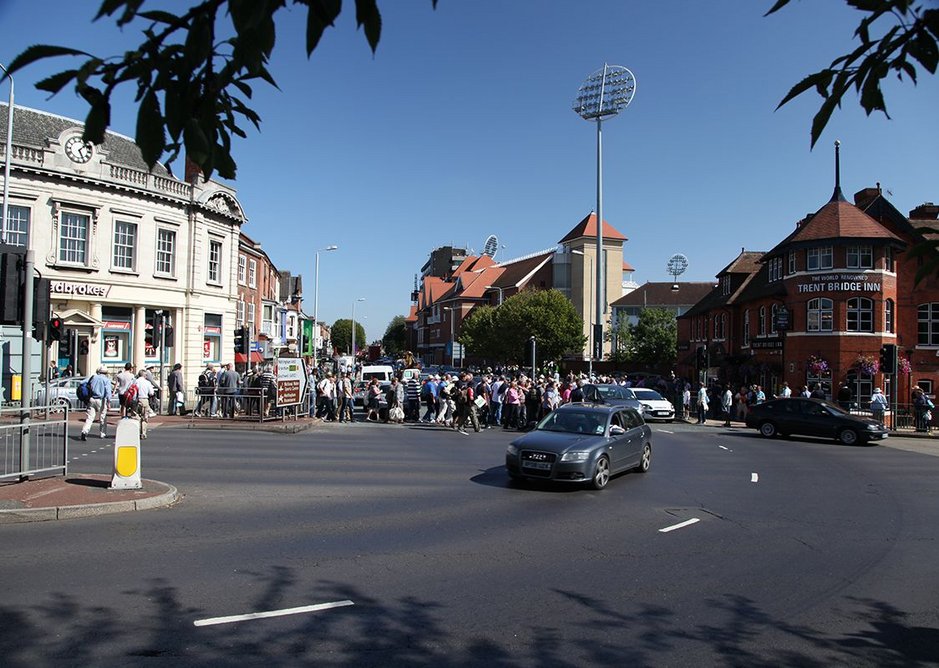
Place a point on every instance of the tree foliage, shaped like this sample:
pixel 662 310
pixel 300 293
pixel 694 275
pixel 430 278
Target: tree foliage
pixel 503 333
pixel 396 336
pixel 341 335
pixel 192 84
pixel 911 35
pixel 654 337
pixel 620 336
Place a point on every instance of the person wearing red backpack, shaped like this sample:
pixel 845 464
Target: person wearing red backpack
pixel 137 401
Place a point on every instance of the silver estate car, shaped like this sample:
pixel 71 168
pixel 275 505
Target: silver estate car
pixel 582 443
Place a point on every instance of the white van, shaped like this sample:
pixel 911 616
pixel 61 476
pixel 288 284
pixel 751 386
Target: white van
pixel 383 372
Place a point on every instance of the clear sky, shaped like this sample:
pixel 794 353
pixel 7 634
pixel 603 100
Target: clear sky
pixel 461 127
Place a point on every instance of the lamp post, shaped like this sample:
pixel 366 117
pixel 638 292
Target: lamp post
pixel 587 310
pixel 7 158
pixel 604 94
pixel 316 301
pixel 360 299
pixel 496 287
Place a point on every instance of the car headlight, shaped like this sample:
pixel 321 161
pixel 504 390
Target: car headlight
pixel 873 427
pixel 511 450
pixel 575 456
pixel 646 407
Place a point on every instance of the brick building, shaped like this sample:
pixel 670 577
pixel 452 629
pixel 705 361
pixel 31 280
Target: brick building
pixel 818 306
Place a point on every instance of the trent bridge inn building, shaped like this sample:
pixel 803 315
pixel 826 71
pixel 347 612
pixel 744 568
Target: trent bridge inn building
pixel 818 307
pixel 120 242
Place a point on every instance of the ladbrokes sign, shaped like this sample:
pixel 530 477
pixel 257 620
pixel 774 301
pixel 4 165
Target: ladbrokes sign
pixel 79 289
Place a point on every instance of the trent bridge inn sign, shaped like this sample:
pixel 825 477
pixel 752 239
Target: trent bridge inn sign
pixel 841 283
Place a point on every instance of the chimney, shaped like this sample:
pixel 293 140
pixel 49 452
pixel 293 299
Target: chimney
pixel 866 196
pixel 193 172
pixel 925 211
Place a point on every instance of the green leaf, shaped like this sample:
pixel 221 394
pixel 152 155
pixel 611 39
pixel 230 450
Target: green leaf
pixel 367 16
pixel 57 82
pixel 98 119
pixel 775 8
pixel 321 14
pixel 38 52
pixel 150 136
pixel 923 49
pixel 819 80
pixel 158 16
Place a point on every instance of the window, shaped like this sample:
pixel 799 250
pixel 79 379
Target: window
pixel 819 316
pixel 720 324
pixel 725 285
pixel 818 258
pixel 860 315
pixel 125 245
pixel 73 238
pixel 762 321
pixel 861 385
pixel 746 328
pixel 249 315
pixel 860 257
pixel 239 312
pixel 267 323
pixel 772 319
pixel 17 225
pixel 928 324
pixel 888 259
pixel 888 315
pixel 253 273
pixel 792 262
pixel 166 252
pixel 925 386
pixel 215 261
pixel 242 269
pixel 775 269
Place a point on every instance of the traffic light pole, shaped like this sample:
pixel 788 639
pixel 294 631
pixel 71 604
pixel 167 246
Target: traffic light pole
pixel 26 394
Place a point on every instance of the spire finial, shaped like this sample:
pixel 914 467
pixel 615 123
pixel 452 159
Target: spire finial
pixel 837 195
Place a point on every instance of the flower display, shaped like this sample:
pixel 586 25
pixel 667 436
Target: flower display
pixel 867 364
pixel 817 365
pixel 904 365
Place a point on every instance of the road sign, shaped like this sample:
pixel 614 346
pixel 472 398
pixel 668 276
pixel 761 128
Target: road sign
pixel 291 381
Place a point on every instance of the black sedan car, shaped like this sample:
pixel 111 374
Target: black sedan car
pixel 582 443
pixel 813 417
pixel 614 395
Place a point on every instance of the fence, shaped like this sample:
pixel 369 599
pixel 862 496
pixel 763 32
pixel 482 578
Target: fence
pixel 247 404
pixel 47 440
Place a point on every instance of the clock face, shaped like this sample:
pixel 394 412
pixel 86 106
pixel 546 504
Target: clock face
pixel 77 150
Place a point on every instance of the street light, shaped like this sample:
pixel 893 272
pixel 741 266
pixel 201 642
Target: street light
pixel 360 299
pixel 9 151
pixel 604 94
pixel 316 301
pixel 496 287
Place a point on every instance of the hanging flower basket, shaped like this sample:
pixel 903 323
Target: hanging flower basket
pixel 817 366
pixel 867 365
pixel 904 365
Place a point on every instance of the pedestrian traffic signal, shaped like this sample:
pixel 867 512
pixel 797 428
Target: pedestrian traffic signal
pixel 83 347
pixel 888 357
pixel 55 329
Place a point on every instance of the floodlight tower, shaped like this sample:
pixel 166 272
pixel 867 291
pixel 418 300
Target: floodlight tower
pixel 677 264
pixel 604 94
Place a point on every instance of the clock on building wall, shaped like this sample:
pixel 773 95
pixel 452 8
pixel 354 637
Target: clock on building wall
pixel 78 150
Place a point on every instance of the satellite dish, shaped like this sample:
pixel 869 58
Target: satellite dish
pixel 677 264
pixel 491 246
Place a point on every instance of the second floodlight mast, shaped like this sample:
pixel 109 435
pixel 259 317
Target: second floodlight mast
pixel 604 94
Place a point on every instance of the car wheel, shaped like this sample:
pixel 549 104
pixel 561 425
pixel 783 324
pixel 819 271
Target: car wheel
pixel 601 473
pixel 646 460
pixel 848 437
pixel 767 430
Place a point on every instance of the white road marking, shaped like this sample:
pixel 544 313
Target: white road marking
pixel 680 525
pixel 666 431
pixel 723 447
pixel 754 477
pixel 270 613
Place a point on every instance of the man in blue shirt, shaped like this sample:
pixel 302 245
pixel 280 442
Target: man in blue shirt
pixel 100 385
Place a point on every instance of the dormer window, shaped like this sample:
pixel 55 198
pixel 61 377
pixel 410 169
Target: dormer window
pixel 725 285
pixel 792 262
pixel 860 257
pixel 818 259
pixel 775 269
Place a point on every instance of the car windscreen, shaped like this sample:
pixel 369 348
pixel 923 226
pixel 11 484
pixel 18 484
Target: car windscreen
pixel 574 422
pixel 649 395
pixel 609 391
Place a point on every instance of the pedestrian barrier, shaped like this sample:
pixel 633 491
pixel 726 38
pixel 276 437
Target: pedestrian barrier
pixel 247 404
pixel 37 445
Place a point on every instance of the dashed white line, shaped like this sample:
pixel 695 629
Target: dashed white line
pixel 666 431
pixel 723 447
pixel 680 525
pixel 754 477
pixel 270 613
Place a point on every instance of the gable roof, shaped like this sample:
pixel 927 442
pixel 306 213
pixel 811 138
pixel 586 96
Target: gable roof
pixel 517 273
pixel 661 294
pixel 588 228
pixel 745 263
pixel 432 290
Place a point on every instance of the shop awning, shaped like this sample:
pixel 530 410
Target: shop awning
pixel 256 358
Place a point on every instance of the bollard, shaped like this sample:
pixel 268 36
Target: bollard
pixel 127 455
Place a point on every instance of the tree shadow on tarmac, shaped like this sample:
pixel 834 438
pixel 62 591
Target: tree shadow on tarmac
pixel 410 632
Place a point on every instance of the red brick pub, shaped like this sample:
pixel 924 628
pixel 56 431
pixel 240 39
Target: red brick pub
pixel 818 307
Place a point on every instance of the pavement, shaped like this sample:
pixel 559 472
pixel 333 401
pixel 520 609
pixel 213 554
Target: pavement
pixel 73 496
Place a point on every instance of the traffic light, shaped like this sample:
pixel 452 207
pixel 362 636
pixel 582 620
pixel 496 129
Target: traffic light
pixel 55 329
pixel 168 336
pixel 83 346
pixel 702 357
pixel 888 357
pixel 241 340
pixel 156 331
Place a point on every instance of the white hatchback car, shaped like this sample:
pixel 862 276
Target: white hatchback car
pixel 654 406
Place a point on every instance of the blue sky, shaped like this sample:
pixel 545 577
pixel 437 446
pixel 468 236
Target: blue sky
pixel 461 126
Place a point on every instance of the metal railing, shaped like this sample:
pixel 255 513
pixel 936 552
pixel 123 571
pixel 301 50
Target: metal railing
pixel 247 404
pixel 37 445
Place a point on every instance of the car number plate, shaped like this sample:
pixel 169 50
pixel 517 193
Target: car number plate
pixel 542 466
pixel 661 412
pixel 883 436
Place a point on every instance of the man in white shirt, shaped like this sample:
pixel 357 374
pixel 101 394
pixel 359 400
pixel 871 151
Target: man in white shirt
pixel 785 392
pixel 141 408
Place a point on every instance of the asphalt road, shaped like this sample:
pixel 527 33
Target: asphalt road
pixel 419 552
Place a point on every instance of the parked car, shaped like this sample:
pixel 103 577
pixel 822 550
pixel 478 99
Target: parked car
pixel 614 395
pixel 62 392
pixel 582 443
pixel 654 405
pixel 813 417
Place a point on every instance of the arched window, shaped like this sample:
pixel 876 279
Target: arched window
pixel 928 323
pixel 860 315
pixel 819 316
pixel 762 321
pixel 888 315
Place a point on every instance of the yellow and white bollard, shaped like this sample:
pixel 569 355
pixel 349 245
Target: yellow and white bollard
pixel 127 455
